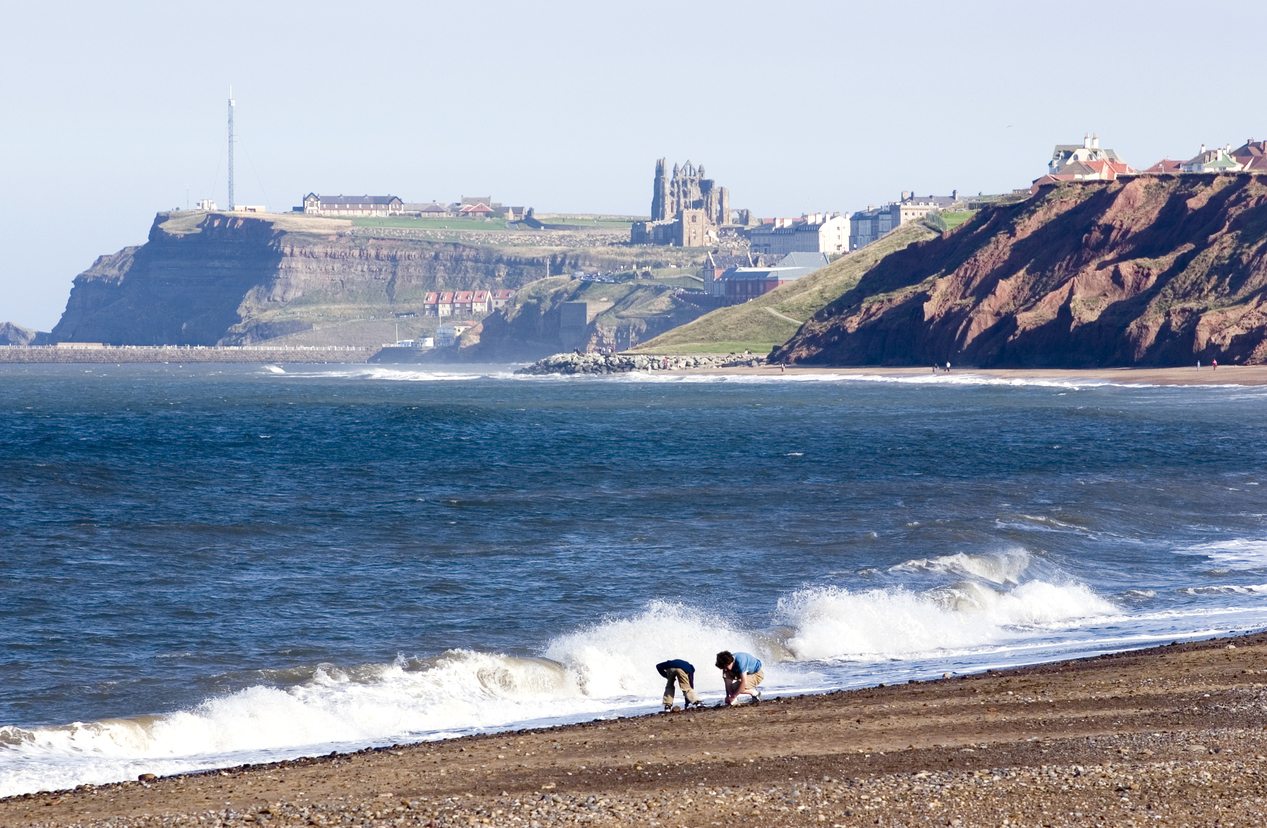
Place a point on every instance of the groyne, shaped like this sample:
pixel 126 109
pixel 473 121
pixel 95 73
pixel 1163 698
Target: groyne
pixel 625 363
pixel 158 354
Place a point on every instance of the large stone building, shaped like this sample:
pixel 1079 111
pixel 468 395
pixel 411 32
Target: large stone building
pixel 811 233
pixel 686 209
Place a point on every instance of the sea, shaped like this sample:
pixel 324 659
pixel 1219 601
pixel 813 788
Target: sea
pixel 204 565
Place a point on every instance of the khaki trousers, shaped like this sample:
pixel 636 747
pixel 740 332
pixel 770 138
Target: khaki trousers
pixel 676 674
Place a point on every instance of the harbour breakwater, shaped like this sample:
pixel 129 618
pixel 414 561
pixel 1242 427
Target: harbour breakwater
pixel 626 363
pixel 162 354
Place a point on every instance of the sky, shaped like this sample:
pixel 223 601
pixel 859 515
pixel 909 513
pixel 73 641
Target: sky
pixel 113 112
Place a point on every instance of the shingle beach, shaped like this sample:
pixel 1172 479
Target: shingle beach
pixel 1169 736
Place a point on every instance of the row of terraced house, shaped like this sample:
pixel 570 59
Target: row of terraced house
pixel 464 302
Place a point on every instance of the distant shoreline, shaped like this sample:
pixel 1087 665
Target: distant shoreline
pixel 160 354
pixel 1223 375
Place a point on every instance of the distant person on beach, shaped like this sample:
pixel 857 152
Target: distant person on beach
pixel 683 673
pixel 1214 365
pixel 742 673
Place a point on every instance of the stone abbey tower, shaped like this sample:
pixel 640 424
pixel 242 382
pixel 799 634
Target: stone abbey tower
pixel 687 209
pixel 688 189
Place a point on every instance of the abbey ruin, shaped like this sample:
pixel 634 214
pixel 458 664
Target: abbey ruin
pixel 687 210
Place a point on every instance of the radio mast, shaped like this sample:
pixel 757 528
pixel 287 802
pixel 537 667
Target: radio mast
pixel 231 204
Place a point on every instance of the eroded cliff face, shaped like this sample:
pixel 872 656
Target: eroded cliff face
pixel 207 279
pixel 621 316
pixel 1148 271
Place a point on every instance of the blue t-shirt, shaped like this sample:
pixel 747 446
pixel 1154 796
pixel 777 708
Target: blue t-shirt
pixel 747 663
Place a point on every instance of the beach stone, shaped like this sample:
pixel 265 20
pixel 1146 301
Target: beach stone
pixel 603 364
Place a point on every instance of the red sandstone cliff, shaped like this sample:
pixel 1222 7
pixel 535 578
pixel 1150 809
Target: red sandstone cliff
pixel 1150 270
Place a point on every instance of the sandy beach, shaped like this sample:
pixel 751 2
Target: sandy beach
pixel 1169 736
pixel 1205 375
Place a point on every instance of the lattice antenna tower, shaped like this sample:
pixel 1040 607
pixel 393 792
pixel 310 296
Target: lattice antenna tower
pixel 231 202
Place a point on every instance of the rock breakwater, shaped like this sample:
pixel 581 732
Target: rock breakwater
pixel 626 363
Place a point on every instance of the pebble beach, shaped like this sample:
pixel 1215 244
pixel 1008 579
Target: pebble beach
pixel 1168 736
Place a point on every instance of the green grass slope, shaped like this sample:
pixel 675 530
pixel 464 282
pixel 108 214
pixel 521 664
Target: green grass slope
pixel 770 320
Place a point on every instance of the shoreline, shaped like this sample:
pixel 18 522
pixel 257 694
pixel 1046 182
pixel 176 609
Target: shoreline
pixel 1171 735
pixel 1249 375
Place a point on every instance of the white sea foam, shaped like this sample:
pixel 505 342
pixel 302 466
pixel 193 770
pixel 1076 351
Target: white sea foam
pixel 1005 567
pixel 836 623
pixel 1237 553
pixel 953 379
pixel 599 670
pixel 402 373
pixel 610 659
pixel 1227 589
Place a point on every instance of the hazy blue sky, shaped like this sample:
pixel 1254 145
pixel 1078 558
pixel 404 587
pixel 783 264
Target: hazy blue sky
pixel 112 112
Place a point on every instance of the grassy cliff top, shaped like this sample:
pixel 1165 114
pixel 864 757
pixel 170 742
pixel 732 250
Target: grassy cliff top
pixel 770 320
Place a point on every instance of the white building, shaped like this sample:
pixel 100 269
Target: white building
pixel 447 335
pixel 811 233
pixel 353 206
pixel 870 224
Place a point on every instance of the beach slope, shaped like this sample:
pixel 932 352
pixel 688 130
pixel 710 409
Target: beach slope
pixel 1169 736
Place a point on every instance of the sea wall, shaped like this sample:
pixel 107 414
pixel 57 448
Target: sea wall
pixel 169 354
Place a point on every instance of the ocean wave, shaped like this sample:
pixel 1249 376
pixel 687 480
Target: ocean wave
pixel 399 373
pixel 1237 553
pixel 837 623
pixel 598 670
pixel 1004 567
pixel 1227 589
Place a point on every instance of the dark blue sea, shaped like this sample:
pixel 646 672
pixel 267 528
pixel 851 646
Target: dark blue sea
pixel 202 566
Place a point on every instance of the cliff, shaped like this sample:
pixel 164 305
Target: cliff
pixel 12 334
pixel 1144 271
pixel 230 279
pixel 618 316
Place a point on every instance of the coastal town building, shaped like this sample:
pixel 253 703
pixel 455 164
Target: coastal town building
pixel 1088 162
pixel 443 303
pixel 1086 152
pixel 741 284
pixel 1217 160
pixel 1252 156
pixel 352 206
pixel 687 209
pixel 865 226
pixel 718 263
pixel 811 233
pixel 447 336
pixel 1166 166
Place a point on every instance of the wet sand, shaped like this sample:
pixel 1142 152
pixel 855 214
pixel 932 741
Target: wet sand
pixel 1223 375
pixel 1170 736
